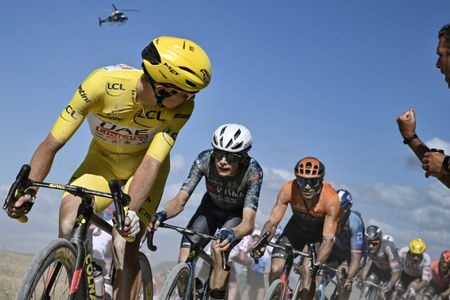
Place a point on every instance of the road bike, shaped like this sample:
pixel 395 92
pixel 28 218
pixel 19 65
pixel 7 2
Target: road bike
pixel 64 269
pixel 181 282
pixel 279 288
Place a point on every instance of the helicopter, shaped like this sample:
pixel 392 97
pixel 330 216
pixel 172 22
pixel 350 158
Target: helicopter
pixel 117 16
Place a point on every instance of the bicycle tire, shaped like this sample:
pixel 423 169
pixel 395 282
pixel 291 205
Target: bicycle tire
pixel 372 293
pixel 146 290
pixel 33 284
pixel 275 290
pixel 172 286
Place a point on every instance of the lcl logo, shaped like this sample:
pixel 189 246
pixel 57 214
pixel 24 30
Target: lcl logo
pixel 114 89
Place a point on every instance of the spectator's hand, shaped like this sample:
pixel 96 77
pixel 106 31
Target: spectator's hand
pixel 432 163
pixel 158 218
pixel 407 123
pixel 227 239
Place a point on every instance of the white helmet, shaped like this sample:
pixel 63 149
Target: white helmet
pixel 233 138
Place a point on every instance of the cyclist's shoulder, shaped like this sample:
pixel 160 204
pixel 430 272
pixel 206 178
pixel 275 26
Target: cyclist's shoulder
pixel 329 194
pixel 119 71
pixel 254 166
pixel 356 220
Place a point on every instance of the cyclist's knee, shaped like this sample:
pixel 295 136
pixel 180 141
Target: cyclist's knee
pixel 217 294
pixel 276 269
pixel 67 215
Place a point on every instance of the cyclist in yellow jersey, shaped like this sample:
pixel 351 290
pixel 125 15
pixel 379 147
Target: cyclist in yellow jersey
pixel 135 117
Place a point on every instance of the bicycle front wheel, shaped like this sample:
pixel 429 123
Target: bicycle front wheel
pixel 175 286
pixel 275 291
pixel 50 273
pixel 146 290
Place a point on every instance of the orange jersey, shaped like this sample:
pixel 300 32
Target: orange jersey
pixel 324 211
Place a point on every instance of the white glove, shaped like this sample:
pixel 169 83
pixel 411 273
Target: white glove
pixel 134 224
pixel 411 292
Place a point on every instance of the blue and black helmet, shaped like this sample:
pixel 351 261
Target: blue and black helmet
pixel 345 199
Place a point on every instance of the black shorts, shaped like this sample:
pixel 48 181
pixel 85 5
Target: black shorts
pixel 207 219
pixel 377 275
pixel 405 280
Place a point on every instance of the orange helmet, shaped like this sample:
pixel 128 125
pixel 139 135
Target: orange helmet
pixel 445 256
pixel 417 247
pixel 309 167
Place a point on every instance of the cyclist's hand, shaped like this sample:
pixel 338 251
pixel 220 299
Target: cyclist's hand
pixel 411 293
pixel 158 218
pixel 314 268
pixel 131 227
pixel 22 206
pixel 348 284
pixel 226 239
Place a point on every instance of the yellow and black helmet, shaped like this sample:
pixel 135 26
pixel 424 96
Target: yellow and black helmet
pixel 178 62
pixel 417 247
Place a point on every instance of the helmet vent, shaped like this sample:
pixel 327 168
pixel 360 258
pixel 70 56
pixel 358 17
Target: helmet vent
pixel 151 54
pixel 237 146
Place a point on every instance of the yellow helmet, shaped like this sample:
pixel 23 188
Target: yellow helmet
pixel 417 247
pixel 178 62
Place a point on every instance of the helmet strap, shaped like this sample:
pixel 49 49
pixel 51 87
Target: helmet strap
pixel 159 97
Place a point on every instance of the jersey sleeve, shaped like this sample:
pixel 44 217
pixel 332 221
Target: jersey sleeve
pixel 88 94
pixel 254 188
pixel 426 271
pixel 392 254
pixel 356 233
pixel 198 170
pixel 164 140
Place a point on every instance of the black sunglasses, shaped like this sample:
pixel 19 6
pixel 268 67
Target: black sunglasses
pixel 312 182
pixel 231 158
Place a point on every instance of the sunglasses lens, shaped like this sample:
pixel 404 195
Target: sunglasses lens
pixel 312 182
pixel 229 157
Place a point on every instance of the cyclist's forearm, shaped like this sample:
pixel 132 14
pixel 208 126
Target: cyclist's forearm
pixel 354 266
pixel 43 157
pixel 270 227
pixel 247 224
pixel 326 247
pixel 394 277
pixel 143 181
pixel 176 205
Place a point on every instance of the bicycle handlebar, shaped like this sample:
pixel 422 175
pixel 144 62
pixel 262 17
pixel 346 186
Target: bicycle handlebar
pixel 186 231
pixel 22 183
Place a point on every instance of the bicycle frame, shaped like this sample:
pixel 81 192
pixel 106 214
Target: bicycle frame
pixel 195 252
pixel 79 235
pixel 289 262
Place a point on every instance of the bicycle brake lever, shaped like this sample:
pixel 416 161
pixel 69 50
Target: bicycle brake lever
pixel 21 183
pixel 150 244
pixel 117 195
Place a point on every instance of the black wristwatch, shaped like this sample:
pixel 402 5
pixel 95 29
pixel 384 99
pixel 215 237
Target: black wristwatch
pixel 445 164
pixel 408 140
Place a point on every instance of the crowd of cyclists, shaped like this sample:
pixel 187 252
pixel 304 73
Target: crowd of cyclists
pixel 135 117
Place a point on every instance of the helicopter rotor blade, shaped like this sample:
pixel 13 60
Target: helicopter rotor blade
pixel 114 7
pixel 130 10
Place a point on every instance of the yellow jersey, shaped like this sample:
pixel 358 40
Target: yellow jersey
pixel 118 122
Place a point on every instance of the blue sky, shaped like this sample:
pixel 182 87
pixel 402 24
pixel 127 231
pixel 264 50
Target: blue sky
pixel 320 78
